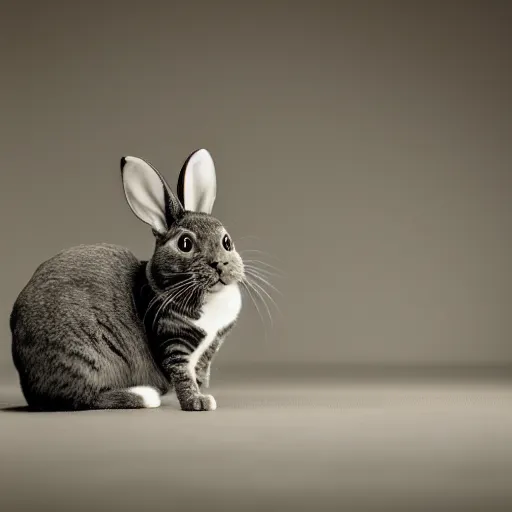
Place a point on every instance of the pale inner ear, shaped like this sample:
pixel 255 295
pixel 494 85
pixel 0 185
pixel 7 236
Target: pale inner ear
pixel 145 192
pixel 200 183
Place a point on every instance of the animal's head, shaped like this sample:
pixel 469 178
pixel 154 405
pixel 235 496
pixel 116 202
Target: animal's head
pixel 193 250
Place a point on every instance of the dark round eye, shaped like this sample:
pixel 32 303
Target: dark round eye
pixel 185 243
pixel 226 243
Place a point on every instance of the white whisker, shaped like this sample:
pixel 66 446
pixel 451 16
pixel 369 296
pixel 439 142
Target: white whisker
pixel 173 295
pixel 190 293
pixel 276 271
pixel 254 273
pixel 246 286
pixel 257 285
pixel 264 302
pixel 259 252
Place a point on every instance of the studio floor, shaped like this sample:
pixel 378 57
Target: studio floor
pixel 302 444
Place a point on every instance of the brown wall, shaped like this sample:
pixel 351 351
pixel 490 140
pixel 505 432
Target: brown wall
pixel 367 146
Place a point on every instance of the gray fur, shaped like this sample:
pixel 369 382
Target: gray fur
pixel 77 339
pixel 94 321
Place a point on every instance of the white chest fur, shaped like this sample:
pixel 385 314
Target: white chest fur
pixel 219 310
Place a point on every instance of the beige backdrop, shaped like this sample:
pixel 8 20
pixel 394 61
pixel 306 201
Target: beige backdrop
pixel 365 145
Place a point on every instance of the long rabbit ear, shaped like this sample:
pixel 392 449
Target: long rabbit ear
pixel 148 195
pixel 197 184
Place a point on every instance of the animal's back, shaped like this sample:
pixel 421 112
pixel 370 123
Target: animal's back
pixel 76 333
pixel 79 273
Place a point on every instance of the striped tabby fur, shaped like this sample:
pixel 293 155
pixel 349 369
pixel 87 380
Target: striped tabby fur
pixel 95 328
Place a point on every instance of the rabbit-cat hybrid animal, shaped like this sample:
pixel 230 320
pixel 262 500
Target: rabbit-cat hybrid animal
pixel 95 328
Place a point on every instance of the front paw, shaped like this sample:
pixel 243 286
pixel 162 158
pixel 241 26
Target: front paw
pixel 199 403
